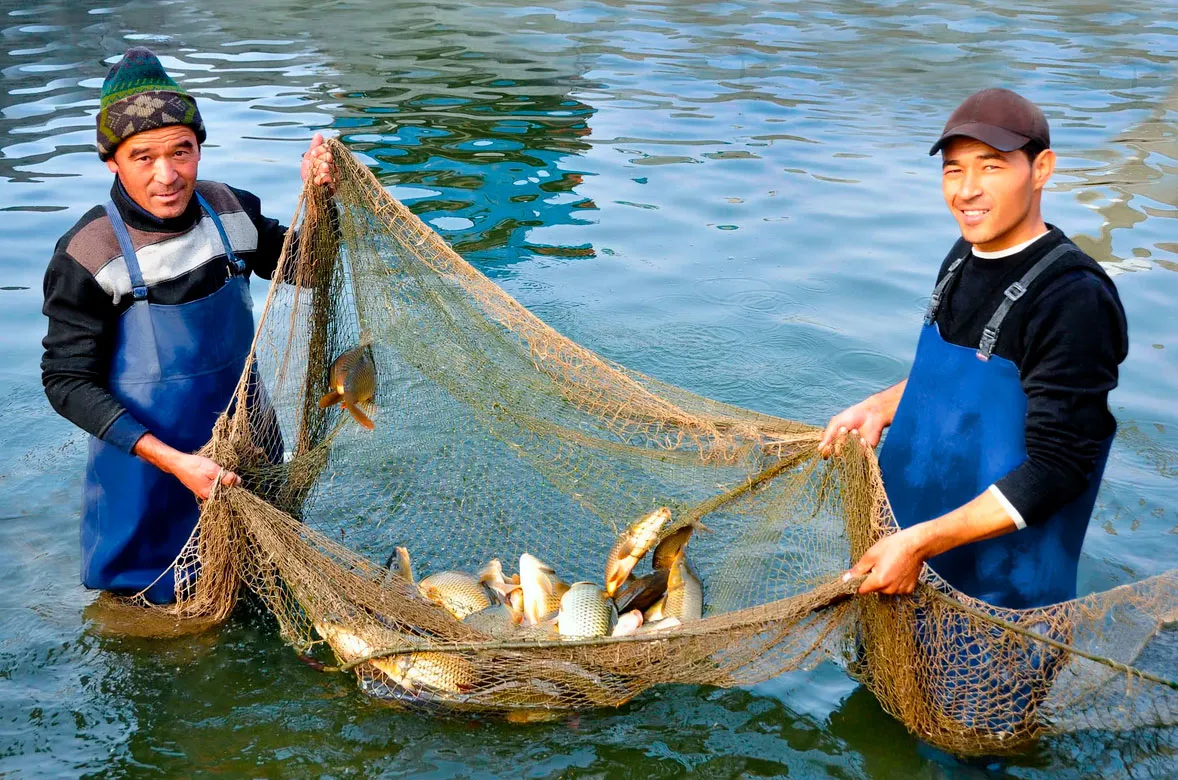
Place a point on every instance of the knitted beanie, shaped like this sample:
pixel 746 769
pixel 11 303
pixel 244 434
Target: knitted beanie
pixel 139 95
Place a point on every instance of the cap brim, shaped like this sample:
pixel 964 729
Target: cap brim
pixel 1001 139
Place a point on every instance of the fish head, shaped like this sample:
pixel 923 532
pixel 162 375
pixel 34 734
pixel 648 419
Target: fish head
pixel 404 568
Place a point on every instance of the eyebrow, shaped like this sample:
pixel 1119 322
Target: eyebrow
pixel 982 156
pixel 138 150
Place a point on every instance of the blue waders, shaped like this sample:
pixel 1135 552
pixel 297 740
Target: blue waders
pixel 960 427
pixel 175 369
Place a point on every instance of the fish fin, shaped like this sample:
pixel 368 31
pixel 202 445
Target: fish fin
pixel 360 416
pixel 329 399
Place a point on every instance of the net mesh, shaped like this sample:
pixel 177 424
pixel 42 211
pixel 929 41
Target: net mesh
pixel 496 436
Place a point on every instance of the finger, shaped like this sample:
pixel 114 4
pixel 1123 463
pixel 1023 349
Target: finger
pixel 872 584
pixel 229 478
pixel 828 437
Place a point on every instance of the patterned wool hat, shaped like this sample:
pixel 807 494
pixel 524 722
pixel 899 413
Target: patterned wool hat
pixel 139 95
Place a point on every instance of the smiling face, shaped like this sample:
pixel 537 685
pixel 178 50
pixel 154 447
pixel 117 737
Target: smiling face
pixel 158 168
pixel 993 195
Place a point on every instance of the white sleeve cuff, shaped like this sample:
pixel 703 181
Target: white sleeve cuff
pixel 1015 515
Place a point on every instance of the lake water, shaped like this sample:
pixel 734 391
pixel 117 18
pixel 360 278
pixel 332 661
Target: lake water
pixel 731 196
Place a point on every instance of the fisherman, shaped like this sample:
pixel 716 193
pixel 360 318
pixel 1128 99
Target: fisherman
pixel 999 435
pixel 150 323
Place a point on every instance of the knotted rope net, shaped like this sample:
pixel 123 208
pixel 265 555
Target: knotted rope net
pixel 495 436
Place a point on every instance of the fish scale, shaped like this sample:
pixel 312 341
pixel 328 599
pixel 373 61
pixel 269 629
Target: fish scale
pixel 586 611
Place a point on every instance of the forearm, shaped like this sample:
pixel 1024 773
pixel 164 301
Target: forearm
pixel 157 453
pixel 887 401
pixel 894 562
pixel 982 518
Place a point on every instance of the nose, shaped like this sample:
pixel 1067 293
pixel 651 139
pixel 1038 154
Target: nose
pixel 163 171
pixel 971 185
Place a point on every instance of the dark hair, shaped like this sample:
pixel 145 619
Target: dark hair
pixel 1032 149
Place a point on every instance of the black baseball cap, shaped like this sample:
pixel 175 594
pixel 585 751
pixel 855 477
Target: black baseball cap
pixel 999 118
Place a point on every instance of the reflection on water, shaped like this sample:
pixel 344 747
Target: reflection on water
pixel 730 196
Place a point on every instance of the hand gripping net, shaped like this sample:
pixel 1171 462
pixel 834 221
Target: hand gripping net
pixel 497 436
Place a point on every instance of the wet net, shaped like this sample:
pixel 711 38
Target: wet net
pixel 494 436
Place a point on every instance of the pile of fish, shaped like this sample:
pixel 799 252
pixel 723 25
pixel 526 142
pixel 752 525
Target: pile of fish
pixel 534 603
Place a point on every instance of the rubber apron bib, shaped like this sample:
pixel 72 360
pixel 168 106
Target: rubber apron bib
pixel 959 428
pixel 174 368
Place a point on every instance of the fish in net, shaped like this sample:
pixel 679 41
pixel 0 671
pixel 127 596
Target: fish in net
pixel 494 436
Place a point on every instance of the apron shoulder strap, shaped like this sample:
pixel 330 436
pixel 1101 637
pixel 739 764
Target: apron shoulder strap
pixel 1013 293
pixel 235 262
pixel 138 288
pixel 934 301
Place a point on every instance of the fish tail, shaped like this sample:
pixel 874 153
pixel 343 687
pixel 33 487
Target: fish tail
pixel 329 399
pixel 359 415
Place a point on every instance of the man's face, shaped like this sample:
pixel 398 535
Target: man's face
pixel 158 168
pixel 993 195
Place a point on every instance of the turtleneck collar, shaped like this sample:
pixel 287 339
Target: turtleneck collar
pixel 141 219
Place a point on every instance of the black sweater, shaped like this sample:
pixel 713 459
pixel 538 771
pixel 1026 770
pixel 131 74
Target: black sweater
pixel 1067 336
pixel 87 290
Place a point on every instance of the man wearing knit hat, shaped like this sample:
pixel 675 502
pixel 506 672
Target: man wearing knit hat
pixel 999 435
pixel 150 324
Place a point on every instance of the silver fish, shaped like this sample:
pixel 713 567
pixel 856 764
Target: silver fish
pixel 424 672
pixel 348 646
pixel 631 545
pixel 685 593
pixel 496 621
pixel 663 624
pixel 541 589
pixel 585 611
pixel 628 623
pixel 458 592
pixel 353 382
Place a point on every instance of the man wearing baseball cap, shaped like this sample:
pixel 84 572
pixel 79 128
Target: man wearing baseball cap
pixel 150 323
pixel 999 436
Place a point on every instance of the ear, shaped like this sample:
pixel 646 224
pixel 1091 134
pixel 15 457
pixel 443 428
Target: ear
pixel 1042 168
pixel 111 165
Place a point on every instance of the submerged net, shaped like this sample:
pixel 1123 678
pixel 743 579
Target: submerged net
pixel 496 436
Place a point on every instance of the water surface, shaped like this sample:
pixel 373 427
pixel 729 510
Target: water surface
pixel 730 196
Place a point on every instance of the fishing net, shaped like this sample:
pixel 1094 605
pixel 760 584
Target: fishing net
pixel 496 436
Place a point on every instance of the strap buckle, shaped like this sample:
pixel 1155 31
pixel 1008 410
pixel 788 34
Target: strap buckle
pixel 986 345
pixel 1016 291
pixel 139 292
pixel 934 303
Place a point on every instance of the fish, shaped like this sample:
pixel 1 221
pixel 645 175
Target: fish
pixel 458 592
pixel 656 611
pixel 628 624
pixel 642 593
pixel 685 593
pixel 630 546
pixel 347 646
pixel 545 629
pixel 663 624
pixel 585 611
pixel 670 547
pixel 399 566
pixel 541 589
pixel 424 672
pixel 353 382
pixel 493 578
pixel 497 621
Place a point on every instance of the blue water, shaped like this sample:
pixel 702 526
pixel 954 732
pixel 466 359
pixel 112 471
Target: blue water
pixel 731 196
